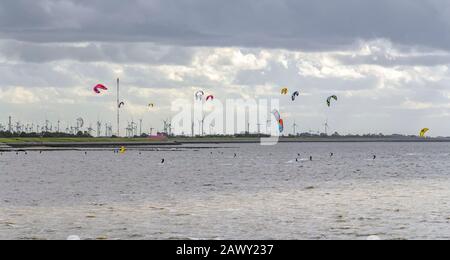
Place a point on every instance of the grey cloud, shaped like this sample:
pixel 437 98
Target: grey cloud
pixel 425 59
pixel 279 75
pixel 38 51
pixel 93 52
pixel 294 24
pixel 48 75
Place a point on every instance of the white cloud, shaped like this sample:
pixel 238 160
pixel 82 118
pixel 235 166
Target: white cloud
pixel 18 95
pixel 369 92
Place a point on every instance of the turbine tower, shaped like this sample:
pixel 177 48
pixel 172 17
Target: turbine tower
pixel 10 125
pixel 211 128
pixel 99 128
pixel 326 127
pixel 118 108
pixel 295 128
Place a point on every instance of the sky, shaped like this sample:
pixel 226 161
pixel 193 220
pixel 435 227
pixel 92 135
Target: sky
pixel 388 61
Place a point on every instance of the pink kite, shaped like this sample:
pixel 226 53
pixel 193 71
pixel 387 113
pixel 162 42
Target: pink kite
pixel 210 97
pixel 99 87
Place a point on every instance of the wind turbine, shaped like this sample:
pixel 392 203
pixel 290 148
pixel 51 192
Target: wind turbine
pixel 295 128
pixel 99 128
pixel 108 129
pixel 268 125
pixel 201 125
pixel 211 128
pixel 326 127
pixel 259 128
pixel 90 130
pixel 18 128
pixel 167 127
pixel 128 129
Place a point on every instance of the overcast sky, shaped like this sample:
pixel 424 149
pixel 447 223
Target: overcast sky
pixel 388 61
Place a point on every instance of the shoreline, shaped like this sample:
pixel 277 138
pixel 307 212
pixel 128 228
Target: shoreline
pixel 178 142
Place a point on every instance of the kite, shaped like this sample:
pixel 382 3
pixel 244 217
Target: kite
pixel 423 132
pixel 295 95
pixel 199 95
pixel 281 125
pixel 330 98
pixel 276 114
pixel 99 87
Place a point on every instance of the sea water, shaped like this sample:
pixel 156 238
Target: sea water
pixel 205 192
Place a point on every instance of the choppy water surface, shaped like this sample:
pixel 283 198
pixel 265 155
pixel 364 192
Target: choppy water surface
pixel 208 194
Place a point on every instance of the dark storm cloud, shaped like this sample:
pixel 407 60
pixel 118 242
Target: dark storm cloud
pixel 302 24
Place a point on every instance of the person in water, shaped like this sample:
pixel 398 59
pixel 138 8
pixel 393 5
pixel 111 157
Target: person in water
pixel 310 158
pixel 163 161
pixel 332 154
pixel 374 157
